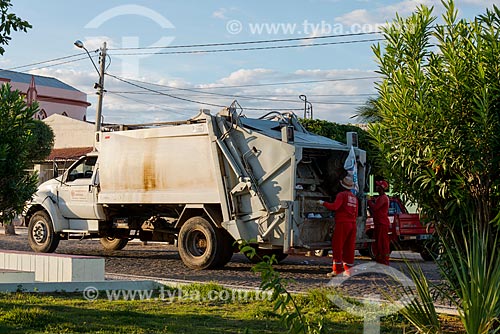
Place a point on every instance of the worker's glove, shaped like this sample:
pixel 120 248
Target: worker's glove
pixel 320 202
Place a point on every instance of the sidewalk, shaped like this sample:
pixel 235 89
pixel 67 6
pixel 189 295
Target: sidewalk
pixel 20 230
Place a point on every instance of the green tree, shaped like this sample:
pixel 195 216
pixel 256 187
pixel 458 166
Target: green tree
pixel 10 22
pixel 439 107
pixel 23 140
pixel 368 112
pixel 338 132
pixel 41 140
pixel 439 137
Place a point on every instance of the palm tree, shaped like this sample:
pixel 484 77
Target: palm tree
pixel 368 112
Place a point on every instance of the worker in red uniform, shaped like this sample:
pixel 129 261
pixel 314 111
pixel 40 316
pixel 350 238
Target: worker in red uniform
pixel 344 234
pixel 380 211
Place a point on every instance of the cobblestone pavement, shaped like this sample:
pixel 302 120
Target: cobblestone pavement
pixel 163 261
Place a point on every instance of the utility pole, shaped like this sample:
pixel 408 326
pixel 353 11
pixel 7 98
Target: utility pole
pixel 99 86
pixel 100 91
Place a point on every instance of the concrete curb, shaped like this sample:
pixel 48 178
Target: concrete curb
pixel 79 286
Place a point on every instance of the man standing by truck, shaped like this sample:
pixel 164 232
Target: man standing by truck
pixel 344 234
pixel 380 213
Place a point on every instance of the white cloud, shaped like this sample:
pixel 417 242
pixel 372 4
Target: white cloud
pixel 123 103
pixel 243 76
pixel 93 43
pixel 486 3
pixel 379 16
pixel 406 7
pixel 358 16
pixel 220 14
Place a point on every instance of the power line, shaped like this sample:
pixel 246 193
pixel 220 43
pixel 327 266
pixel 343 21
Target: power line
pixel 237 96
pixel 291 82
pixel 270 95
pixel 162 93
pixel 248 42
pixel 247 49
pixel 253 98
pixel 268 84
pixel 152 104
pixel 189 100
pixel 57 64
pixel 216 50
pixel 50 61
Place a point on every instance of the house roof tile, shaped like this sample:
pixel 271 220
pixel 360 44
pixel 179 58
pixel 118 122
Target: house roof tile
pixel 69 153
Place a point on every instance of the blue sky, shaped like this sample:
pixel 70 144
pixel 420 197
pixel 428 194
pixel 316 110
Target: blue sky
pixel 269 76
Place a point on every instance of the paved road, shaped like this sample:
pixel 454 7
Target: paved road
pixel 163 261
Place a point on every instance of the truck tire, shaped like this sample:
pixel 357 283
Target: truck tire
pixel 370 251
pixel 41 236
pixel 200 245
pixel 228 248
pixel 110 243
pixel 430 251
pixel 364 251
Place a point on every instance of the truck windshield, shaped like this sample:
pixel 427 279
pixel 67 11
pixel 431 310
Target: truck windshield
pixel 83 170
pixel 394 208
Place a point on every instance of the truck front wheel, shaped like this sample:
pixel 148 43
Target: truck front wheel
pixel 41 236
pixel 110 243
pixel 200 246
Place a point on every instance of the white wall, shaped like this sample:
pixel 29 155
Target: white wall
pixel 70 132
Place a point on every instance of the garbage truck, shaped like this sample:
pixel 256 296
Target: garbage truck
pixel 202 183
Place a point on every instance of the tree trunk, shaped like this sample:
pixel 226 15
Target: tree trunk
pixel 9 229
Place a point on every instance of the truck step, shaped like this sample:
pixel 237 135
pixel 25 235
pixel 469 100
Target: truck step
pixel 319 245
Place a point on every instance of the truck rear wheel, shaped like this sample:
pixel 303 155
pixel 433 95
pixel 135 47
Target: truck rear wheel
pixel 200 244
pixel 110 243
pixel 228 248
pixel 41 236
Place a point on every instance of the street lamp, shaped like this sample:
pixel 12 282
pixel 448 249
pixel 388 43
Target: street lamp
pixel 99 86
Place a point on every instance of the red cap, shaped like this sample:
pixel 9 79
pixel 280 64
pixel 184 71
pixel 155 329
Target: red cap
pixel 383 184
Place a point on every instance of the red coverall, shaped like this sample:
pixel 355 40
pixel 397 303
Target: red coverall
pixel 380 211
pixel 344 234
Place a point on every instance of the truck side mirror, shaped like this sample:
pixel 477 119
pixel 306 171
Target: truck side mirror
pixel 288 134
pixel 55 170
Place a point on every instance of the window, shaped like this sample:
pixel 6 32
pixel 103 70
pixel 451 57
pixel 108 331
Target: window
pixel 83 170
pixel 42 114
pixel 394 208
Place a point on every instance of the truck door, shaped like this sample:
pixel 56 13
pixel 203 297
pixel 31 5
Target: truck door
pixel 77 193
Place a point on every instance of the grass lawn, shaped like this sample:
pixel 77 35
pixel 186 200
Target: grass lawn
pixel 194 309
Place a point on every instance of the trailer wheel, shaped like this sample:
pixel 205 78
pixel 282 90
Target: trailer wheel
pixel 110 243
pixel 41 236
pixel 200 244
